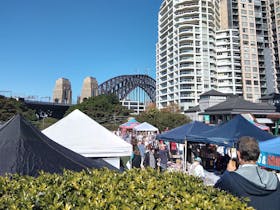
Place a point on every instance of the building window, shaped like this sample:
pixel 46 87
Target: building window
pixel 246 55
pixel 244 24
pixel 245 36
pixel 247 62
pixel 247 69
pixel 249 96
pixel 248 82
pixel 247 75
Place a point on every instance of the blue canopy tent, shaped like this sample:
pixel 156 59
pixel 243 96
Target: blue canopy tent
pixel 228 133
pixel 180 133
pixel 270 153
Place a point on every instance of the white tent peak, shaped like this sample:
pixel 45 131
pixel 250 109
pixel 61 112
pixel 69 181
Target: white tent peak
pixel 145 127
pixel 80 133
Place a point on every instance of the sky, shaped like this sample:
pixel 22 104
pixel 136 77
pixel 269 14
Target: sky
pixel 44 40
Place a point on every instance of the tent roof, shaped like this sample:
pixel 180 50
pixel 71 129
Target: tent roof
pixel 130 124
pixel 145 127
pixel 270 153
pixel 179 134
pixel 25 150
pixel 80 133
pixel 271 146
pixel 229 132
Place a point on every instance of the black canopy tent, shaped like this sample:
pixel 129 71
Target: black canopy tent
pixel 26 151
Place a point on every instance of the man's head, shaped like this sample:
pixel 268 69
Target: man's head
pixel 162 147
pixel 248 149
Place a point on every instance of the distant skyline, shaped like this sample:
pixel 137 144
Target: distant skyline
pixel 42 41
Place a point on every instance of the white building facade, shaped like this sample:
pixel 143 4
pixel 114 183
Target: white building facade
pixel 228 62
pixel 186 51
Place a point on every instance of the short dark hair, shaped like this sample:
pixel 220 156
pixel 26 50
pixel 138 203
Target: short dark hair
pixel 248 148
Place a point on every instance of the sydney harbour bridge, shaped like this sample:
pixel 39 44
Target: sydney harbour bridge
pixel 138 87
pixel 123 85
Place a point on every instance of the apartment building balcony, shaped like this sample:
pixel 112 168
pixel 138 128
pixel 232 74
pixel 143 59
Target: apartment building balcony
pixel 187 73
pixel 187 19
pixel 185 52
pixel 187 81
pixel 186 58
pixel 225 84
pixel 185 45
pixel 163 73
pixel 187 95
pixel 186 13
pixel 226 69
pixel 163 92
pixel 185 31
pixel 224 61
pixel 190 89
pixel 222 49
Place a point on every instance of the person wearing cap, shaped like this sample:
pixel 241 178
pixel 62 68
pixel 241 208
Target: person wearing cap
pixel 196 169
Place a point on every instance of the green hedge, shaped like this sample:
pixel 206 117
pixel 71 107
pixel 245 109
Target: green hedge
pixel 104 189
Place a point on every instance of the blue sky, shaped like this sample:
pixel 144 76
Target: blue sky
pixel 43 40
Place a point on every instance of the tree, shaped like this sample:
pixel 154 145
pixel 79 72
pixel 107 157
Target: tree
pixel 105 109
pixel 163 118
pixel 10 107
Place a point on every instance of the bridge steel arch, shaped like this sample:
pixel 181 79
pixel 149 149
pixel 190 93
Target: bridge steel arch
pixel 124 84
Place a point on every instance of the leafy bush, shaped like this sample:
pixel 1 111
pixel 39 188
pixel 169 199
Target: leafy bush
pixel 104 189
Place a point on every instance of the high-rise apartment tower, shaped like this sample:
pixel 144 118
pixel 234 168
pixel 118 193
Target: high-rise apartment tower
pixel 253 21
pixel 186 51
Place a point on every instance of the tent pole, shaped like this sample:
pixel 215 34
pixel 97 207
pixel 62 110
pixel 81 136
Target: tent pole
pixel 185 155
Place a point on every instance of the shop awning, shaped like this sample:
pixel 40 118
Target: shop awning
pixel 264 121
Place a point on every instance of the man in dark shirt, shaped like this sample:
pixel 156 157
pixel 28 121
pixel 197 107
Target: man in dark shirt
pixel 163 157
pixel 249 181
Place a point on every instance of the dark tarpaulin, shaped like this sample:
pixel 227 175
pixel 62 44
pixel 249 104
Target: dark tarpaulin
pixel 26 151
pixel 228 133
pixel 179 134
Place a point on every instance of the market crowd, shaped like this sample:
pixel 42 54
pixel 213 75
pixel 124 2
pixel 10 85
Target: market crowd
pixel 239 174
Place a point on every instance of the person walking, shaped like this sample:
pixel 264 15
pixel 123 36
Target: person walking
pixel 136 157
pixel 150 160
pixel 260 186
pixel 142 150
pixel 163 157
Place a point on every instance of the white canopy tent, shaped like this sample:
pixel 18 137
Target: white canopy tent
pixel 80 133
pixel 145 127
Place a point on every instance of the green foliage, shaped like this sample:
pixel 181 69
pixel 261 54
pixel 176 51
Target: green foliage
pixel 10 106
pixel 104 189
pixel 44 122
pixel 105 109
pixel 163 118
